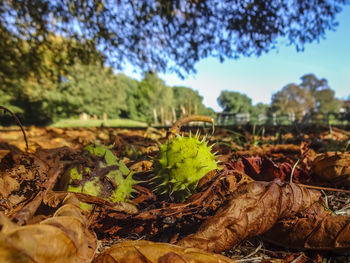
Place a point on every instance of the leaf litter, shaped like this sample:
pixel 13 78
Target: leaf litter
pixel 248 210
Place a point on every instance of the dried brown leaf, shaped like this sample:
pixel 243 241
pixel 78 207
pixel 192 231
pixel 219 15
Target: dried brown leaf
pixel 264 169
pixel 336 134
pixel 333 167
pixel 61 238
pixel 142 251
pixel 253 210
pixel 316 228
pixel 7 185
pixel 3 153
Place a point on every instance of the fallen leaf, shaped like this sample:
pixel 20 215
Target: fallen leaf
pixel 3 153
pixel 264 169
pixel 7 185
pixel 334 167
pixel 336 134
pixel 23 184
pixel 253 210
pixel 23 179
pixel 150 252
pixel 316 228
pixel 62 238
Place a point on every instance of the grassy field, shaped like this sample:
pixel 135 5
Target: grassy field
pixel 68 123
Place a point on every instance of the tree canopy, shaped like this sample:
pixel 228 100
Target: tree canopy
pixel 189 101
pixel 90 89
pixel 234 102
pixel 165 35
pixel 292 99
pixel 312 95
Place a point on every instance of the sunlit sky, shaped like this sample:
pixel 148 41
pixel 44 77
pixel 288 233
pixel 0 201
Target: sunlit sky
pixel 260 77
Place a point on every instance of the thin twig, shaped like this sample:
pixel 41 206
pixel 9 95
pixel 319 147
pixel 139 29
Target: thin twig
pixel 180 122
pixel 325 188
pixel 297 259
pixel 254 252
pixel 19 124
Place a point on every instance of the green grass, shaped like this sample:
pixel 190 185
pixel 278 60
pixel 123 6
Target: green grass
pixel 68 123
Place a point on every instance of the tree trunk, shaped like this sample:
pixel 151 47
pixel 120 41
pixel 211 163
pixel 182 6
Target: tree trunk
pixel 162 117
pixel 174 114
pixel 183 110
pixel 155 116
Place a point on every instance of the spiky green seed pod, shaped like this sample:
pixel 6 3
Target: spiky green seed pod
pixel 108 178
pixel 181 163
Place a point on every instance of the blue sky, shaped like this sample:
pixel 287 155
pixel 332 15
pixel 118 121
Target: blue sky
pixel 260 77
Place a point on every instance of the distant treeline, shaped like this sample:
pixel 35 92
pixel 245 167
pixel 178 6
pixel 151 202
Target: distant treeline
pixel 95 90
pixel 65 85
pixel 72 79
pixel 234 119
pixel 312 101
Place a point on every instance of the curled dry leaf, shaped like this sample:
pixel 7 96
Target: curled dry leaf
pixel 26 179
pixel 150 252
pixel 61 238
pixel 333 167
pixel 22 183
pixel 264 169
pixel 253 210
pixel 315 228
pixel 307 155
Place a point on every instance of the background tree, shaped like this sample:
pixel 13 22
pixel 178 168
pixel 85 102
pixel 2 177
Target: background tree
pixel 346 104
pixel 91 89
pixel 324 96
pixel 153 96
pixel 260 109
pixel 168 35
pixel 188 101
pixel 27 86
pixel 292 99
pixel 311 96
pixel 130 87
pixel 326 101
pixel 311 83
pixel 235 102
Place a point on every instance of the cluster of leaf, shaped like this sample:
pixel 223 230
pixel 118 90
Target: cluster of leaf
pixel 235 102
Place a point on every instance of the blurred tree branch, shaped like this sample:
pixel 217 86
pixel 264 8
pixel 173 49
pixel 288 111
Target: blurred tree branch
pixel 167 35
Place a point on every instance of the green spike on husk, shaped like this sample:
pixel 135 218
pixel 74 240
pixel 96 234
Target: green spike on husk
pixel 181 163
